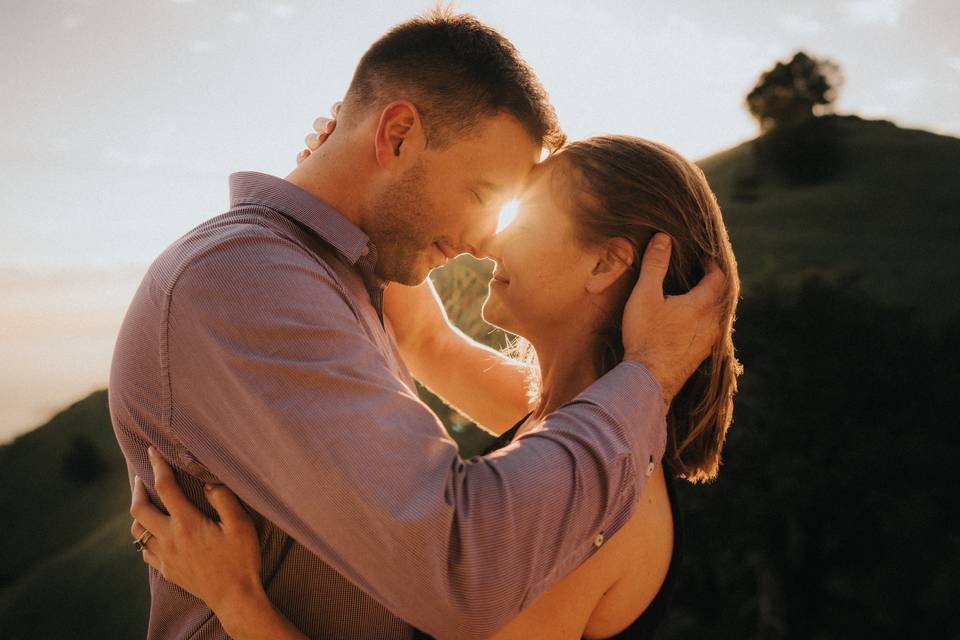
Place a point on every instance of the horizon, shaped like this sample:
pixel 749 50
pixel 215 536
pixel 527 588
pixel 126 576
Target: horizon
pixel 114 151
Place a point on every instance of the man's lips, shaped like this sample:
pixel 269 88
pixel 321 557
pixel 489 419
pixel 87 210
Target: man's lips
pixel 499 277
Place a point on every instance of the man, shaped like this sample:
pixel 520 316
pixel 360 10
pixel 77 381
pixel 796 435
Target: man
pixel 256 354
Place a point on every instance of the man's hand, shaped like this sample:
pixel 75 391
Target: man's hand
pixel 322 127
pixel 671 335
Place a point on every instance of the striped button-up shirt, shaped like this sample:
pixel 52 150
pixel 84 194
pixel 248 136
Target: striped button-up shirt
pixel 255 354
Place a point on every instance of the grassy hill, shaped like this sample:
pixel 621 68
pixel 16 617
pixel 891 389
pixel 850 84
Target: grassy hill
pixel 888 213
pixel 65 532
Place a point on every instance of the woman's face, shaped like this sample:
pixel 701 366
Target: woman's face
pixel 538 286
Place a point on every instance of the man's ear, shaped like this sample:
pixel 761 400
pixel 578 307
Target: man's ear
pixel 613 258
pixel 399 139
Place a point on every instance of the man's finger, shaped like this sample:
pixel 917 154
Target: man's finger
pixel 137 529
pixel 710 290
pixel 144 512
pixel 311 141
pixel 654 265
pixel 228 507
pixel 165 484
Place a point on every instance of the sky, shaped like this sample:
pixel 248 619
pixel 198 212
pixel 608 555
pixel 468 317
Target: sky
pixel 121 120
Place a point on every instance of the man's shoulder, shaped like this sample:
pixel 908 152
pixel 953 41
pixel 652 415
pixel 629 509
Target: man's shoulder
pixel 244 245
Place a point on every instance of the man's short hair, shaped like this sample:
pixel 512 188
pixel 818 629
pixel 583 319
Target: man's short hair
pixel 455 70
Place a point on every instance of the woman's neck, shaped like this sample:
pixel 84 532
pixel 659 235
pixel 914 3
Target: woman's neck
pixel 568 365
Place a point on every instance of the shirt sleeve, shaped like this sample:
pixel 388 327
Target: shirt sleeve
pixel 276 389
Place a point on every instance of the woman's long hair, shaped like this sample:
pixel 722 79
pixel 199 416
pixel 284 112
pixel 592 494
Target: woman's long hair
pixel 626 187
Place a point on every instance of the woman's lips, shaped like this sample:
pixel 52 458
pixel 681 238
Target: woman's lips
pixel 499 279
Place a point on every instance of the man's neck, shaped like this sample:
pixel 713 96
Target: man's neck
pixel 334 175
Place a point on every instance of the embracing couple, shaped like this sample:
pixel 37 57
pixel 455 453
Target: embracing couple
pixel 287 480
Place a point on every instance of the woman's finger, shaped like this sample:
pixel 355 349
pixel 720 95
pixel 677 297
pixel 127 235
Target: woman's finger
pixel 335 109
pixel 137 529
pixel 320 124
pixel 303 155
pixel 311 141
pixel 145 513
pixel 151 559
pixel 165 484
pixel 228 507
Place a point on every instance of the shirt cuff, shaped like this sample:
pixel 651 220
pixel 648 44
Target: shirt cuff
pixel 632 397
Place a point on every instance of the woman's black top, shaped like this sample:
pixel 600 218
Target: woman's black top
pixel 649 620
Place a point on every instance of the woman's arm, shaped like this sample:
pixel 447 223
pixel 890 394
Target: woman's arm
pixel 478 381
pixel 218 562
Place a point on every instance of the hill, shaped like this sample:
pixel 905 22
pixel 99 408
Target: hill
pixel 66 533
pixel 887 214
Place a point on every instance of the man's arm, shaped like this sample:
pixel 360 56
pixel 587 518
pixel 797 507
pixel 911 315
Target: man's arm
pixel 277 391
pixel 482 383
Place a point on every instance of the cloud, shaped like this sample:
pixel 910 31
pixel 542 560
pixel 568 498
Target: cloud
pixel 800 25
pixel 281 10
pixel 882 12
pixel 201 46
pixel 69 23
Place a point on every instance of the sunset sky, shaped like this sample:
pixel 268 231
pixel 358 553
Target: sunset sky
pixel 121 121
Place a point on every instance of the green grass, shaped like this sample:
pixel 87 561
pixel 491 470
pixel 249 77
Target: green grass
pixel 889 216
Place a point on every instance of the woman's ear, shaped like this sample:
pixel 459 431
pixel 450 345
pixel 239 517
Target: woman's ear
pixel 613 258
pixel 399 137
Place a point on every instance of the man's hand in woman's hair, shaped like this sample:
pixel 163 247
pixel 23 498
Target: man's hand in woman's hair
pixel 671 335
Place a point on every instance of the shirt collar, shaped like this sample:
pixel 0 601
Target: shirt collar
pixel 251 187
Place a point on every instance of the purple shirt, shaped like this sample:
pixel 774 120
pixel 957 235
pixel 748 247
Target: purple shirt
pixel 254 354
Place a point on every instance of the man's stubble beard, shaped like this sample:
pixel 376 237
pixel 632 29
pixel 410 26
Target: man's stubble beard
pixel 399 220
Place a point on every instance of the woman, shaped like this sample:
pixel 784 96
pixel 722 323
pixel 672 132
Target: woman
pixel 565 268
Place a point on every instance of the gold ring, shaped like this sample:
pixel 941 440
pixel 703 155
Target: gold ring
pixel 141 542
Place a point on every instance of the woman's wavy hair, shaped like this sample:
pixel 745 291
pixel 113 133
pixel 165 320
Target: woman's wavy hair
pixel 626 187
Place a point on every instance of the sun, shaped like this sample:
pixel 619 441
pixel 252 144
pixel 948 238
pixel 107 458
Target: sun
pixel 507 213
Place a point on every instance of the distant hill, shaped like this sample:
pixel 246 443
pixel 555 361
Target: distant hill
pixel 888 213
pixel 65 532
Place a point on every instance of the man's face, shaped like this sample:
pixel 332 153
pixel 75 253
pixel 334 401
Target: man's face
pixel 448 202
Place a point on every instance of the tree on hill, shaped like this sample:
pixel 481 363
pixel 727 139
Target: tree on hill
pixel 795 91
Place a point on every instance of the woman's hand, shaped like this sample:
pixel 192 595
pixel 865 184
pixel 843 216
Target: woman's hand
pixel 217 562
pixel 323 127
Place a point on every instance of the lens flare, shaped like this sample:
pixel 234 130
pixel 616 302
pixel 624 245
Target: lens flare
pixel 507 213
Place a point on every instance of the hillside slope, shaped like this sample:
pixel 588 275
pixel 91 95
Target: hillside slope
pixel 889 215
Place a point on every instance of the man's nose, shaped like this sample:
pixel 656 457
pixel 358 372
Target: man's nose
pixel 489 248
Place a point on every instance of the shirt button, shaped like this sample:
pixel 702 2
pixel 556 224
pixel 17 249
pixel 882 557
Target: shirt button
pixel 650 467
pixel 598 540
pixel 365 250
